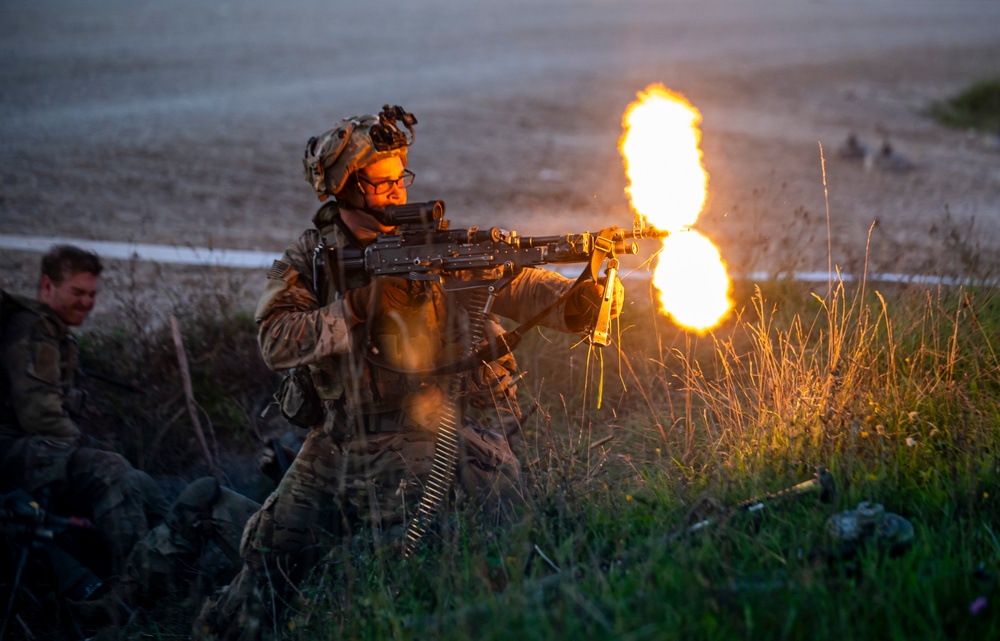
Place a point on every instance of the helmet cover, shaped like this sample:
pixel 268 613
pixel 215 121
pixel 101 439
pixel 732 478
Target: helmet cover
pixel 355 143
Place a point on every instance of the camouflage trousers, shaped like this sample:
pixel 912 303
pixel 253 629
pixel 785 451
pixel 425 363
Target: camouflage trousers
pixel 83 481
pixel 195 549
pixel 331 490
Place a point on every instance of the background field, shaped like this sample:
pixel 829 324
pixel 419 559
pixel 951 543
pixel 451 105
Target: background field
pixel 183 122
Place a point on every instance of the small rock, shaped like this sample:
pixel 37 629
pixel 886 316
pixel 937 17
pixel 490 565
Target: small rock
pixel 887 159
pixel 852 148
pixel 991 141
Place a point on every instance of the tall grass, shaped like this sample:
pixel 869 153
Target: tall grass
pixel 895 391
pixel 136 385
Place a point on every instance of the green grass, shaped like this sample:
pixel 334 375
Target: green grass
pixel 976 107
pixel 894 391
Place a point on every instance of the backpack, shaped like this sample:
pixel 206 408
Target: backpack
pixel 10 303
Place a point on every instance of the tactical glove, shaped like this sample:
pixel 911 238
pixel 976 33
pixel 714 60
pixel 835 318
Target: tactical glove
pixel 582 306
pixel 377 298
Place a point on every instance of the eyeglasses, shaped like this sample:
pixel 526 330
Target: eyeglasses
pixel 385 186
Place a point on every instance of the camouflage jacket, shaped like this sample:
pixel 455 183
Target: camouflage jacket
pixel 302 327
pixel 38 369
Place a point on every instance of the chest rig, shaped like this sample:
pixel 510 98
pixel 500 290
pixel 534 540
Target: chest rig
pixel 374 378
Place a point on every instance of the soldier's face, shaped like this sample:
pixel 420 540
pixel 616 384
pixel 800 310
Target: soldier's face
pixel 72 299
pixel 385 176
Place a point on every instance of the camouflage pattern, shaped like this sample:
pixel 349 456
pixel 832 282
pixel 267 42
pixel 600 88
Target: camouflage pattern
pixel 178 562
pixel 39 435
pixel 39 360
pixel 365 462
pixel 332 490
pixel 339 152
pixel 196 546
pixel 295 330
pixel 371 482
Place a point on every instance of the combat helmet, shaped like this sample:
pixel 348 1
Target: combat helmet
pixel 354 143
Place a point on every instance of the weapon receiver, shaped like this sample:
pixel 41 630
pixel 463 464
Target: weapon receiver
pixel 424 247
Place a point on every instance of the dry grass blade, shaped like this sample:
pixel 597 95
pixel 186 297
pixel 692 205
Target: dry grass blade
pixel 189 392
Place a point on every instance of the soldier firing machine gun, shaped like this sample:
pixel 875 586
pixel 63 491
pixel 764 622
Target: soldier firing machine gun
pixel 423 247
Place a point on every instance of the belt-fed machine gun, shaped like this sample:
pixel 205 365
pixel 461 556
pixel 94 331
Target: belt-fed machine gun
pixel 423 247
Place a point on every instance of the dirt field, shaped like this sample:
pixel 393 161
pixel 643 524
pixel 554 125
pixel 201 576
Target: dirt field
pixel 183 122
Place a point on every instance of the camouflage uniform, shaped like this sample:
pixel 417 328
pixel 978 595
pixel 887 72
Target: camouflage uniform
pixel 195 548
pixel 370 451
pixel 178 562
pixel 40 437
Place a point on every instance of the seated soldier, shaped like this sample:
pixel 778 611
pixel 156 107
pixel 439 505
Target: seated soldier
pixel 42 446
pixel 43 452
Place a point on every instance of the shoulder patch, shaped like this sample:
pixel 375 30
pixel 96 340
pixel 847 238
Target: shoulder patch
pixel 278 270
pixel 45 363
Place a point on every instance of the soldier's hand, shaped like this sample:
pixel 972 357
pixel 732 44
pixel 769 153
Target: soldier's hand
pixel 583 305
pixel 379 297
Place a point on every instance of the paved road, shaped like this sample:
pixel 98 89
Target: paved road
pixel 180 121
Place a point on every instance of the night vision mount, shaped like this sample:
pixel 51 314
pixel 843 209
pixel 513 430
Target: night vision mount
pixel 386 135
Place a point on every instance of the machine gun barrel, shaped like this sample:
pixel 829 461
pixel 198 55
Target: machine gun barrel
pixel 621 242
